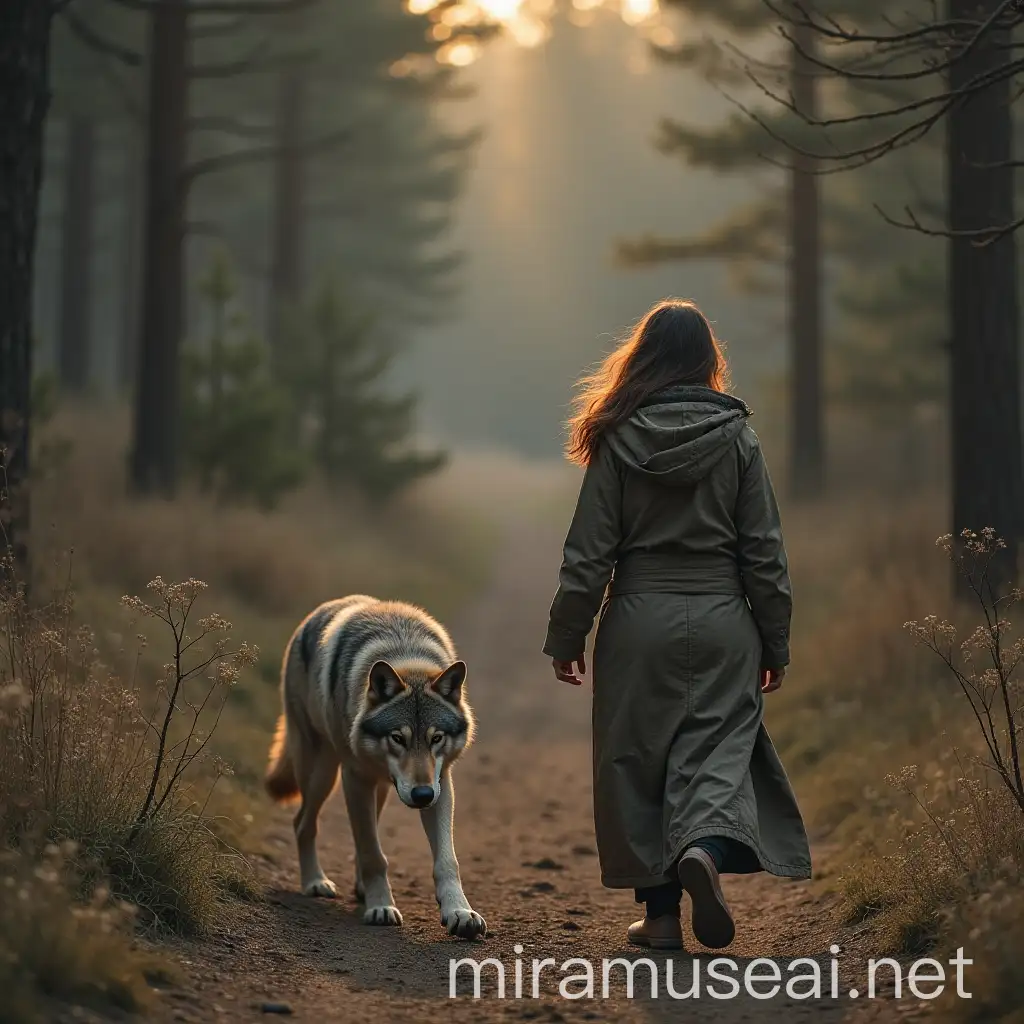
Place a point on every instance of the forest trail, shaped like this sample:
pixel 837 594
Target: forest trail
pixel 526 847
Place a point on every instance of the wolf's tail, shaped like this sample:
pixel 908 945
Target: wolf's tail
pixel 280 781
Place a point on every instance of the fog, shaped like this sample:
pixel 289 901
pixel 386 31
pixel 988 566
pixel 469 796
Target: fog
pixel 567 167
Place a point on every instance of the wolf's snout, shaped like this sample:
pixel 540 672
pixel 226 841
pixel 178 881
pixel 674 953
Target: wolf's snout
pixel 422 796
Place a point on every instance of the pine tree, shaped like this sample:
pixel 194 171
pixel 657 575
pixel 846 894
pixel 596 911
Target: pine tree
pixel 985 397
pixel 963 59
pixel 887 351
pixel 359 177
pixel 742 145
pixel 358 434
pixel 93 171
pixel 235 418
pixel 88 107
pixel 24 96
pixel 363 151
pixel 74 344
pixel 386 158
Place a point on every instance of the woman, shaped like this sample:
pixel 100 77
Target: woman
pixel 677 511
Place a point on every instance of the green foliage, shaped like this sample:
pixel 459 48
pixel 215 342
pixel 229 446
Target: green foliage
pixel 251 434
pixel 357 433
pixel 378 200
pixel 235 417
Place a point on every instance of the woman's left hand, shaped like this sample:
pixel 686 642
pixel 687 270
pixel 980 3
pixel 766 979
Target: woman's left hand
pixel 564 670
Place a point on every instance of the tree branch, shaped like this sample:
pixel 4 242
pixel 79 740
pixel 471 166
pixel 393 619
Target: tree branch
pixel 946 27
pixel 230 126
pixel 251 64
pixel 226 6
pixel 96 42
pixel 250 6
pixel 981 237
pixel 239 158
pixel 223 28
pixel 894 42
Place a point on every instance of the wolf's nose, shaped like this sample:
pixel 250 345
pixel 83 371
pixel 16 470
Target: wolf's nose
pixel 422 796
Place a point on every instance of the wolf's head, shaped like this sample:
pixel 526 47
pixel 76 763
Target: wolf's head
pixel 416 721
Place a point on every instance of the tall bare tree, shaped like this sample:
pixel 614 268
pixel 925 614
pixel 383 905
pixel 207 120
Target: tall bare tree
pixel 794 216
pixel 288 243
pixel 806 406
pixel 964 63
pixel 153 459
pixel 74 342
pixel 988 489
pixel 172 24
pixel 24 98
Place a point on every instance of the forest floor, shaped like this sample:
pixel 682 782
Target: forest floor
pixel 524 837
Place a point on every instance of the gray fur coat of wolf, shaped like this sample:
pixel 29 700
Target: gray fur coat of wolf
pixel 374 690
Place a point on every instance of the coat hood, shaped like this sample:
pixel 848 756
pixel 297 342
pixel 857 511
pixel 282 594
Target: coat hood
pixel 680 434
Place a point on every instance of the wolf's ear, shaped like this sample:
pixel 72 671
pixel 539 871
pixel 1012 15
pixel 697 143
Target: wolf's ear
pixel 383 683
pixel 449 683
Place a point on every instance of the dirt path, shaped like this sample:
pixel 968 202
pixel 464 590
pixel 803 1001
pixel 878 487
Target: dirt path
pixel 525 843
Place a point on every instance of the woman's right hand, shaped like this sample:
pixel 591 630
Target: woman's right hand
pixel 771 679
pixel 564 670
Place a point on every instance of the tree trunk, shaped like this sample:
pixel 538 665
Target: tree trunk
pixel 984 372
pixel 807 440
pixel 127 361
pixel 75 332
pixel 154 461
pixel 24 98
pixel 288 244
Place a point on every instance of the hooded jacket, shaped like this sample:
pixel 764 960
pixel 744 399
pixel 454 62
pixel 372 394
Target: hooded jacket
pixel 676 499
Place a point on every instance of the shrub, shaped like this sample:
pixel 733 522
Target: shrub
pixel 53 947
pixel 358 435
pixel 236 418
pixel 985 665
pixel 967 835
pixel 994 924
pixel 120 770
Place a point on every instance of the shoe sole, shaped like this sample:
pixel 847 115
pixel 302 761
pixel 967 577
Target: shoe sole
pixel 646 943
pixel 713 925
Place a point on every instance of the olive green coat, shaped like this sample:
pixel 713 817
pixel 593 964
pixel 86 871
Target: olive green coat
pixel 678 504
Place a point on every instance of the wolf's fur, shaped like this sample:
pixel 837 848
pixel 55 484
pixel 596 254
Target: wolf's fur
pixel 374 688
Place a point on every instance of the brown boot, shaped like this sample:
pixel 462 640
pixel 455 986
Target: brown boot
pixel 663 932
pixel 713 925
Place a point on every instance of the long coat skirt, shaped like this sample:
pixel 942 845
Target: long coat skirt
pixel 677 514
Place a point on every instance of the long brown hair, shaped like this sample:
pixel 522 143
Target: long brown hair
pixel 673 344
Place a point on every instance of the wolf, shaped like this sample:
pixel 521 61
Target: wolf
pixel 374 689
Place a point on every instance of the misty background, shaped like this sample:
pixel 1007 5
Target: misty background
pixel 566 168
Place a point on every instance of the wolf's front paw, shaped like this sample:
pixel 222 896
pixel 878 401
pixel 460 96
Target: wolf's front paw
pixel 323 887
pixel 464 923
pixel 382 915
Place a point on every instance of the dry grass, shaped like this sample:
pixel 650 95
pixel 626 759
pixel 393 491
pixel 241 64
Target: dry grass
pixel 860 694
pixel 863 701
pixel 993 924
pixel 117 765
pixel 265 570
pixel 52 947
pixel 316 546
pixel 92 751
pixel 880 742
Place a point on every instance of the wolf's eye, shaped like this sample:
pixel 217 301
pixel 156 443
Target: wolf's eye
pixel 398 738
pixel 438 739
